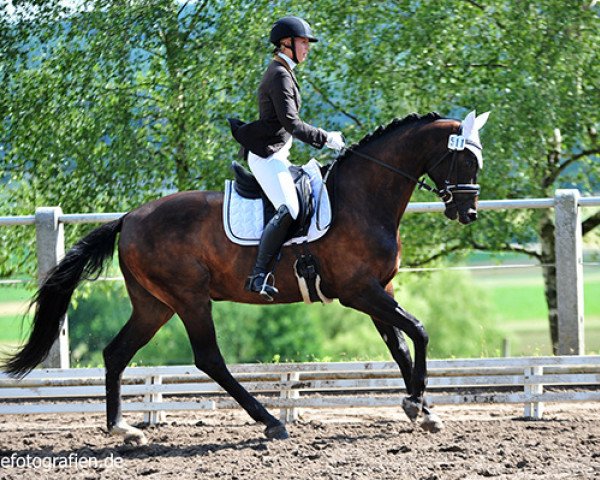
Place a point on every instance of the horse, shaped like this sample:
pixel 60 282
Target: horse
pixel 175 258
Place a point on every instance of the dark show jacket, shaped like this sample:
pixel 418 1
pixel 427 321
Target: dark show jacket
pixel 278 105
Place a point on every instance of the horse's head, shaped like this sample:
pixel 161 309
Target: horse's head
pixel 455 172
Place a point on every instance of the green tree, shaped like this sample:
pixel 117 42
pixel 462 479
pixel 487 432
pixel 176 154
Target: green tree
pixel 533 64
pixel 106 105
pixel 114 103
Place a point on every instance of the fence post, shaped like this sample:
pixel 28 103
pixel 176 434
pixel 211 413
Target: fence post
pixel 154 417
pixel 533 410
pixel 288 415
pixel 50 245
pixel 569 272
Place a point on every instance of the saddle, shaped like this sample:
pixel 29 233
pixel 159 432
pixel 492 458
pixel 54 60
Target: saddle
pixel 246 185
pixel 246 210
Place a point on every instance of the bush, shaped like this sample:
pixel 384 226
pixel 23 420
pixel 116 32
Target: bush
pixel 263 333
pixel 456 313
pixel 245 333
pixel 100 312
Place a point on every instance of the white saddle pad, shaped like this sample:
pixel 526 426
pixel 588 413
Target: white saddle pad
pixel 243 217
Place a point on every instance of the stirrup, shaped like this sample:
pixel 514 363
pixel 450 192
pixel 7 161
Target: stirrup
pixel 259 283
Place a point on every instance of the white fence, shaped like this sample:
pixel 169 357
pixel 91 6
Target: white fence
pixel 289 387
pixel 49 222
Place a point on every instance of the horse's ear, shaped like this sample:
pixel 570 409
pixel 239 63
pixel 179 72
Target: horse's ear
pixel 481 120
pixel 468 123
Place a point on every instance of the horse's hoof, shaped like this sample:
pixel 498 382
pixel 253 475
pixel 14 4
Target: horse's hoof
pixel 131 435
pixel 411 408
pixel 276 432
pixel 432 423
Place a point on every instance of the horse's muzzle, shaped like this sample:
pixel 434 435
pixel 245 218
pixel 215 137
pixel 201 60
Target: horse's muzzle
pixel 451 211
pixel 461 202
pixel 467 217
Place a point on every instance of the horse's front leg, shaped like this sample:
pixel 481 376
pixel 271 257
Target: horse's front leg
pixel 416 401
pixel 391 320
pixel 376 302
pixel 396 343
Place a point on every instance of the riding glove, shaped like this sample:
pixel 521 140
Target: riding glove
pixel 335 140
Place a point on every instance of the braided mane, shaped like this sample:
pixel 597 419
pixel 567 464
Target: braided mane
pixel 396 123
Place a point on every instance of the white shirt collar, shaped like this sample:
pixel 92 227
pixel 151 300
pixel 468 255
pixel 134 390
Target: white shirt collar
pixel 288 60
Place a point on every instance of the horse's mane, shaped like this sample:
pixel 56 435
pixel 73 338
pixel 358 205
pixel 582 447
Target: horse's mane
pixel 396 123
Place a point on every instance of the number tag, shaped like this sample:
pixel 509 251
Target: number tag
pixel 456 142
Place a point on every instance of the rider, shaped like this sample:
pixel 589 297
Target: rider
pixel 269 139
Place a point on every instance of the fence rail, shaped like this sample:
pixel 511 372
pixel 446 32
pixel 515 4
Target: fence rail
pixel 294 386
pixel 49 222
pixel 413 207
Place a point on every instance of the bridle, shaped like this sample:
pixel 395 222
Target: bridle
pixel 456 143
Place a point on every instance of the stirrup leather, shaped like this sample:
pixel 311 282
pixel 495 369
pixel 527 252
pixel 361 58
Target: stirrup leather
pixel 260 283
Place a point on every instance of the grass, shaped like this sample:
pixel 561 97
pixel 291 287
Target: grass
pixel 521 297
pixel 14 293
pixel 13 305
pixel 519 302
pixel 12 329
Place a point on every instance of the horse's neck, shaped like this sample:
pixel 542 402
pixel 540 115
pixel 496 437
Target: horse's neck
pixel 375 192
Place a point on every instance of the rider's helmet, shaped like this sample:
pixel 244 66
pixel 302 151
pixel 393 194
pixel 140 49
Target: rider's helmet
pixel 291 27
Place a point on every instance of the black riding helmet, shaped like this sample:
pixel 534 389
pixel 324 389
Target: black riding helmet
pixel 291 27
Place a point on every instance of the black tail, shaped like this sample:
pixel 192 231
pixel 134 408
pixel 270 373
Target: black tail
pixel 84 261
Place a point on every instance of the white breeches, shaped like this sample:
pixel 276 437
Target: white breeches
pixel 275 179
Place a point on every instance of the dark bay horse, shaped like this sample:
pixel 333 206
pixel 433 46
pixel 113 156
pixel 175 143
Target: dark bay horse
pixel 175 258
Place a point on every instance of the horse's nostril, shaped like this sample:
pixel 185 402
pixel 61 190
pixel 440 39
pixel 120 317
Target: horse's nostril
pixel 472 214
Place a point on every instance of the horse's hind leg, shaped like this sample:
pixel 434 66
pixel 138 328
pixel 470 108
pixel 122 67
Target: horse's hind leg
pixel 149 314
pixel 198 322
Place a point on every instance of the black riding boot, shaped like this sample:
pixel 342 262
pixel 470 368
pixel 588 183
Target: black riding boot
pixel 271 241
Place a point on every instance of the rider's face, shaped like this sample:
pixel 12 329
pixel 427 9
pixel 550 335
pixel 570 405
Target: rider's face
pixel 302 48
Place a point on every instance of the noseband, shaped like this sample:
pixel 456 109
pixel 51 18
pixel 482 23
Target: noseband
pixel 456 143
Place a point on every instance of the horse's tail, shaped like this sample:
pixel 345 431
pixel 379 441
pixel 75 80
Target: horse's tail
pixel 84 261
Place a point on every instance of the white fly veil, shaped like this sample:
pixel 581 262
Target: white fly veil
pixel 470 131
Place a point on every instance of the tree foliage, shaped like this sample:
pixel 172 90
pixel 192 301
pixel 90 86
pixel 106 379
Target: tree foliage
pixel 107 104
pixel 115 103
pixel 533 64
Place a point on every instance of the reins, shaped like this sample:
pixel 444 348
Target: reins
pixel 456 143
pixel 421 183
